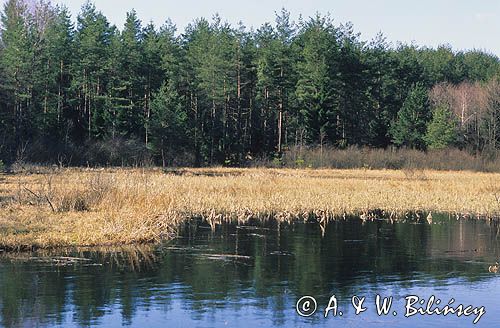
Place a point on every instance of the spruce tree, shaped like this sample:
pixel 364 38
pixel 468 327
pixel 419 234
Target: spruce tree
pixel 53 37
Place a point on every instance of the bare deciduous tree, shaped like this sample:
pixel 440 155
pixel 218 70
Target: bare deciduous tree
pixel 475 105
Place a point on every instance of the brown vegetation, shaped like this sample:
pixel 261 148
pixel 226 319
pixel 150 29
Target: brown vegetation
pixel 369 158
pixel 475 107
pixel 116 206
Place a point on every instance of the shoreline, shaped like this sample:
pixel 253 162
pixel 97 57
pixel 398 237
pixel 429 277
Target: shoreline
pixel 410 217
pixel 80 207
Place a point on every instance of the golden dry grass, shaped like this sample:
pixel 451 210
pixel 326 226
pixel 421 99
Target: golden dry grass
pixel 110 207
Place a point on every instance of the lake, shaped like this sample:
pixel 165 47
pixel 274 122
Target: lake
pixel 253 275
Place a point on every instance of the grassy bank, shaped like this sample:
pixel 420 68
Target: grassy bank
pixel 73 207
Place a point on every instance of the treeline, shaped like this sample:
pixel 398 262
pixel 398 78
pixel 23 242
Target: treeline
pixel 91 93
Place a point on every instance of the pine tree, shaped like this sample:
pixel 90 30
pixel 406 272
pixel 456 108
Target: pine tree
pixel 62 49
pixel 152 72
pixel 228 93
pixel 53 37
pixel 353 89
pixel 264 132
pixel 211 74
pixel 442 129
pixel 131 117
pixel 90 71
pixel 16 64
pixel 168 123
pixel 383 106
pixel 315 88
pixel 285 74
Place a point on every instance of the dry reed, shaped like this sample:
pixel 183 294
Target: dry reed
pixel 116 206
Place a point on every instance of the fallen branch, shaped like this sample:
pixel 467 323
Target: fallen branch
pixel 40 197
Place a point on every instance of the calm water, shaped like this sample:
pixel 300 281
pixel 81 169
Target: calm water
pixel 192 282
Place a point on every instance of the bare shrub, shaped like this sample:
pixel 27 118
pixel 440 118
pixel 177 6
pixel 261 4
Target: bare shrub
pixel 355 157
pixel 53 192
pixel 91 194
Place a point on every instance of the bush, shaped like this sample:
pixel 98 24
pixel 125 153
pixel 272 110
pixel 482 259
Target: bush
pixel 355 157
pixel 118 152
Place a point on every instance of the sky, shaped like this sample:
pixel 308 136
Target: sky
pixel 463 24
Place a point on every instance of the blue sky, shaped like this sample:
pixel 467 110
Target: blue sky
pixel 464 24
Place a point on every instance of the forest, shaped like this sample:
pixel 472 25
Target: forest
pixel 86 92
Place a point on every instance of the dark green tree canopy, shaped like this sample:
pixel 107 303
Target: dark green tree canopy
pixel 410 126
pixel 217 94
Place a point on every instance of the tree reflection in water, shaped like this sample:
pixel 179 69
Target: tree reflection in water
pixel 256 270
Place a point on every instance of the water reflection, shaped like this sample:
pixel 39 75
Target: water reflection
pixel 253 275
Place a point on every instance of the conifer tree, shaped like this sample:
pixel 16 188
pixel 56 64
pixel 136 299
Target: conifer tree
pixel 152 72
pixel 224 93
pixel 90 71
pixel 442 129
pixel 16 64
pixel 317 72
pixel 382 107
pixel 168 123
pixel 410 127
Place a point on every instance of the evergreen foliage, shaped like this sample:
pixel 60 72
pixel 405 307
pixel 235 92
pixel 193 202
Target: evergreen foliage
pixel 409 128
pixel 442 129
pixel 218 94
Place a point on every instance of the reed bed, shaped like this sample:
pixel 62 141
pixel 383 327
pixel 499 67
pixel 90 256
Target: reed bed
pixel 76 207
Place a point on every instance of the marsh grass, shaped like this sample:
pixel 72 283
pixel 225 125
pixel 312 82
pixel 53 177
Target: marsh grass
pixel 76 207
pixel 80 197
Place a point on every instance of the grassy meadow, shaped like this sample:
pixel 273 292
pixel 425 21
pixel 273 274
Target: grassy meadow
pixel 78 207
